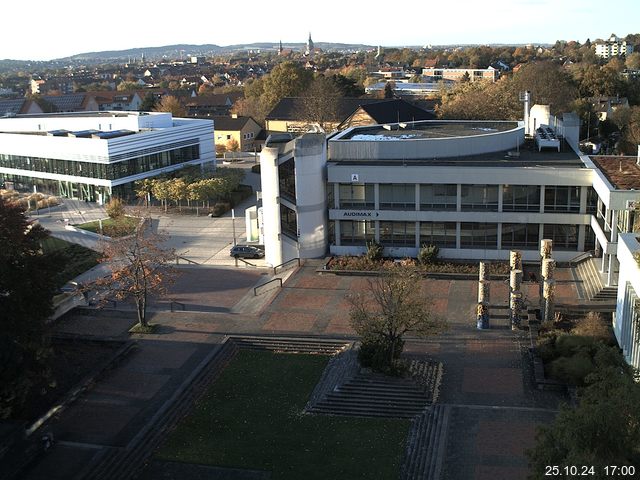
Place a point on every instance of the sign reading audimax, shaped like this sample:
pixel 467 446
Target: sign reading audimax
pixel 360 214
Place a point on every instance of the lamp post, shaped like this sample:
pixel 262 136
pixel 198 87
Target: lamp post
pixel 233 224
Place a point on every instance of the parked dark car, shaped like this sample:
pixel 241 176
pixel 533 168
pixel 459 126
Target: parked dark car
pixel 246 251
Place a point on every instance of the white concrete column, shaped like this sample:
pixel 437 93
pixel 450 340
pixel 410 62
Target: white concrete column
pixel 377 232
pixel 583 199
pixel 458 229
pixel 541 202
pixel 376 196
pixel 500 193
pixel 459 200
pixel 581 237
pixel 499 235
pixel 271 205
pixel 417 235
pixel 614 226
pixel 417 197
pixel 603 265
pixel 336 232
pixel 336 195
pixel 612 270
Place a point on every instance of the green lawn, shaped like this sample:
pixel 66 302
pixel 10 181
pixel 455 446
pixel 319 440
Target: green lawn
pixel 251 418
pixel 112 227
pixel 75 259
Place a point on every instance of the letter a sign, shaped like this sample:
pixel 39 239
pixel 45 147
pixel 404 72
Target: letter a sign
pixel 355 177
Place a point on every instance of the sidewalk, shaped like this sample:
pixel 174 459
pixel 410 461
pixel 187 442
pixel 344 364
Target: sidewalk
pixel 494 408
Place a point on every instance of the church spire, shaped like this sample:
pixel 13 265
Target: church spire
pixel 280 48
pixel 309 52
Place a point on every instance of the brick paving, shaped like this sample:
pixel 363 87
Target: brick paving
pixel 486 380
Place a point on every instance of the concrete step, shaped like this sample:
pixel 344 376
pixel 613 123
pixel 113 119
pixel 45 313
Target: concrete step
pixel 363 413
pixel 124 463
pixel 291 345
pixel 426 445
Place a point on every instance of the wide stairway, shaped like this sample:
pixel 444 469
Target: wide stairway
pixel 592 283
pixel 370 394
pixel 426 444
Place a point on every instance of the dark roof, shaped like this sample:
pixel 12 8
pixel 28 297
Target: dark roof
pixel 289 108
pixel 65 103
pixel 228 123
pixel 221 99
pixel 396 110
pixel 11 107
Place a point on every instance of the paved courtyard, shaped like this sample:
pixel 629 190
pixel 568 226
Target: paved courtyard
pixel 494 408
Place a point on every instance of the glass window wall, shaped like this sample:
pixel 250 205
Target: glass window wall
pixel 565 237
pixel 521 235
pixel 442 234
pixel 398 234
pixel 397 196
pixel 438 197
pixel 521 198
pixel 356 196
pixel 480 197
pixel 561 199
pixel 479 235
pixel 354 232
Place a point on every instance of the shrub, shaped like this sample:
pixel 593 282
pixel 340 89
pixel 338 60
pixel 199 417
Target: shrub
pixel 572 370
pixel 428 254
pixel 374 354
pixel 374 251
pixel 220 209
pixel 567 345
pixel 115 208
pixel 593 325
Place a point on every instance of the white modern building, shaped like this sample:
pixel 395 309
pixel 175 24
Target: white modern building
pixel 94 155
pixel 476 189
pixel 626 322
pixel 614 47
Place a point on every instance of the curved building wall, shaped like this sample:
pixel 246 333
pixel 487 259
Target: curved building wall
pixel 271 205
pixel 426 148
pixel 311 199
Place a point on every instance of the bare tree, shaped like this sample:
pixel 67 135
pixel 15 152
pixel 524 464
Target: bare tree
pixel 393 305
pixel 139 267
pixel 320 103
pixel 169 103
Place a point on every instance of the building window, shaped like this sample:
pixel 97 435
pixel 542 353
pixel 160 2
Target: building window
pixel 438 197
pixel 398 234
pixel 592 201
pixel 228 137
pixel 520 235
pixel 442 234
pixel 354 232
pixel 332 232
pixel 565 237
pixel 521 198
pixel 288 222
pixel 561 199
pixel 287 179
pixel 479 235
pixel 356 196
pixel 398 196
pixel 480 197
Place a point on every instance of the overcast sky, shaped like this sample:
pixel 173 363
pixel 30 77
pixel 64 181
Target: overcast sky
pixel 44 30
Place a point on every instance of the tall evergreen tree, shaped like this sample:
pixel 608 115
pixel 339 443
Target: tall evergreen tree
pixel 26 290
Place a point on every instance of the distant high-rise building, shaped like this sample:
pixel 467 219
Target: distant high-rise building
pixel 613 47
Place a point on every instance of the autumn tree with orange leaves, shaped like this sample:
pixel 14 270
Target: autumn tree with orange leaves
pixel 139 267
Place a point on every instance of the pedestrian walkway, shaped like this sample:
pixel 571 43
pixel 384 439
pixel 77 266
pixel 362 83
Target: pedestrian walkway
pixel 492 408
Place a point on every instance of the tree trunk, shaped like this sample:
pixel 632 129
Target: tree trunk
pixel 141 310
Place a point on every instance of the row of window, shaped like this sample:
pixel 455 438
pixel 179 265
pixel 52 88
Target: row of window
pixel 109 171
pixel 443 234
pixel 515 198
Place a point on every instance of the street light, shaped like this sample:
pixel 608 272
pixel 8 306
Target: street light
pixel 233 223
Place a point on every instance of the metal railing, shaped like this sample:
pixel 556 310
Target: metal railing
pixel 237 259
pixel 259 287
pixel 286 265
pixel 582 256
pixel 178 258
pixel 180 304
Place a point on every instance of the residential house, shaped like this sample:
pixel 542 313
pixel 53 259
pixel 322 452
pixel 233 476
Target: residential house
pixel 243 130
pixel 214 104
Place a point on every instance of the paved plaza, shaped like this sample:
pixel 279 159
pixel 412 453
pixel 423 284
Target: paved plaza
pixel 486 381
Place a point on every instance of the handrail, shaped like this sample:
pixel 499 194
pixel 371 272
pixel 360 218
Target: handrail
pixel 255 289
pixel 580 257
pixel 244 261
pixel 275 269
pixel 177 303
pixel 178 258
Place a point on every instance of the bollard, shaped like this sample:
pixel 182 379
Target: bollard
pixel 515 280
pixel 483 271
pixel 484 289
pixel 515 260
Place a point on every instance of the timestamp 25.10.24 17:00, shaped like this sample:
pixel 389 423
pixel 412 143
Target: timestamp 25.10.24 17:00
pixel 613 471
